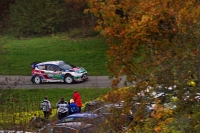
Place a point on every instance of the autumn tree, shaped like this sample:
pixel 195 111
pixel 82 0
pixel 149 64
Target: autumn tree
pixel 75 11
pixel 4 15
pixel 77 19
pixel 41 17
pixel 154 43
pixel 44 17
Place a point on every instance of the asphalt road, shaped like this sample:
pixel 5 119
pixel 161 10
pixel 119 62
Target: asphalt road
pixel 24 82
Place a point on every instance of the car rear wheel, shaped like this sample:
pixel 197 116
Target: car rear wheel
pixel 68 79
pixel 37 80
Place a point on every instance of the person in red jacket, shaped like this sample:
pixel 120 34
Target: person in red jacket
pixel 77 100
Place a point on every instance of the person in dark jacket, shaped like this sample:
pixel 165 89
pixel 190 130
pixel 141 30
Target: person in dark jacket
pixel 46 107
pixel 62 106
pixel 77 100
pixel 73 107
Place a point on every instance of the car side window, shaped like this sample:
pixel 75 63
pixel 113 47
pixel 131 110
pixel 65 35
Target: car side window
pixel 53 68
pixel 68 120
pixel 73 119
pixel 56 68
pixel 50 67
pixel 41 67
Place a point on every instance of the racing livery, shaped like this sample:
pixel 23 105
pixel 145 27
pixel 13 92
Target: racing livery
pixel 57 71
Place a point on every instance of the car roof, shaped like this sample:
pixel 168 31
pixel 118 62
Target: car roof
pixel 117 105
pixel 51 62
pixel 76 125
pixel 85 114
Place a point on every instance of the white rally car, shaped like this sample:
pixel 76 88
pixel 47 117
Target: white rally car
pixel 57 71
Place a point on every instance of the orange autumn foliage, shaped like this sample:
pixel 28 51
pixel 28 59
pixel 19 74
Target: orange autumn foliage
pixel 155 42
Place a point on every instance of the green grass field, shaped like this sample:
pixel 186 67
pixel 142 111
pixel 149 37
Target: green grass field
pixel 20 105
pixel 33 97
pixel 89 53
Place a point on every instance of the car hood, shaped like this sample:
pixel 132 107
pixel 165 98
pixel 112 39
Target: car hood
pixel 76 69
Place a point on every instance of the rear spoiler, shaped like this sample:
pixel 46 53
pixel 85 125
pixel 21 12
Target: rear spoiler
pixel 34 63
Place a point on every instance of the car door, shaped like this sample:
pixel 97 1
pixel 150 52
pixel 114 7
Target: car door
pixel 54 72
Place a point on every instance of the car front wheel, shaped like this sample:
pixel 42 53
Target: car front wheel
pixel 68 79
pixel 37 80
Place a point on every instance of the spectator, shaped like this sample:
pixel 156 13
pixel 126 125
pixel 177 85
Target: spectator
pixel 62 106
pixel 46 107
pixel 73 107
pixel 77 100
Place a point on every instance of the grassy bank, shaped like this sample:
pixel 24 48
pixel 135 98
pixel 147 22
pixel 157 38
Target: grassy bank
pixel 88 53
pixel 33 97
pixel 20 105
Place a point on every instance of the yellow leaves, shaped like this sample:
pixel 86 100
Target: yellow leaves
pixel 174 99
pixel 149 41
pixel 170 120
pixel 191 83
pixel 161 126
pixel 116 95
pixel 146 18
pixel 86 10
pixel 161 112
pixel 158 129
pixel 23 117
pixel 163 117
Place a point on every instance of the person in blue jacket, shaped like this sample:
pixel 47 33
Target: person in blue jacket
pixel 72 107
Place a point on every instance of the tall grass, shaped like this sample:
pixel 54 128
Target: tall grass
pixel 18 106
pixel 88 53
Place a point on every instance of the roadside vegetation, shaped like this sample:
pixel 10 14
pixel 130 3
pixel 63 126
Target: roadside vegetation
pixel 18 106
pixel 156 44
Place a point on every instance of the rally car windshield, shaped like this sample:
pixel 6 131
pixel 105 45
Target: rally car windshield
pixel 65 66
